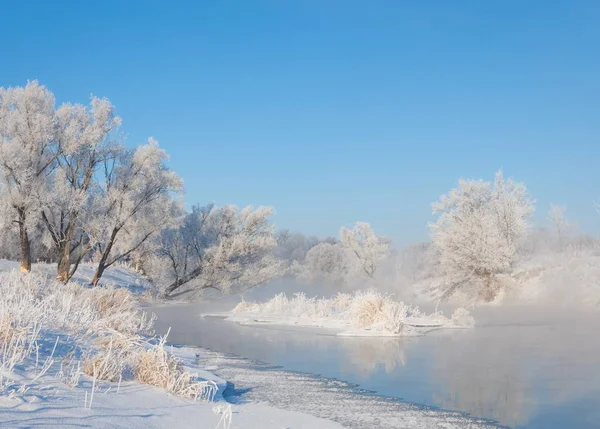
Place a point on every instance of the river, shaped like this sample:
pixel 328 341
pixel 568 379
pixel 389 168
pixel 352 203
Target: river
pixel 524 368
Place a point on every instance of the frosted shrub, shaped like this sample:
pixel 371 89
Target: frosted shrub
pixel 157 367
pixel 366 307
pixel 462 317
pixel 276 304
pixel 108 365
pixel 115 357
pixel 7 329
pixel 392 317
pixel 372 309
pixel 246 306
pixel 116 310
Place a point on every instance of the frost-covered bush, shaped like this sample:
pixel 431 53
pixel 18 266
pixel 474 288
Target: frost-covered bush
pixel 371 309
pixel 462 317
pixel 157 367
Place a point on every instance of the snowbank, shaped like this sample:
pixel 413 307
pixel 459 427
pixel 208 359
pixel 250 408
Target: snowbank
pixel 362 313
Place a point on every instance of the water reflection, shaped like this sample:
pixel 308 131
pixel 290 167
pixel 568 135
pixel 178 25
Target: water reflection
pixel 523 374
pixel 366 356
pixel 484 378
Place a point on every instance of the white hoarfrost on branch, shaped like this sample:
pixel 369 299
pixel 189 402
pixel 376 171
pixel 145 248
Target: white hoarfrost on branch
pixel 479 228
pixel 217 247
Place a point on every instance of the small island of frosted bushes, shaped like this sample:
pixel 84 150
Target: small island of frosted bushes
pixel 361 313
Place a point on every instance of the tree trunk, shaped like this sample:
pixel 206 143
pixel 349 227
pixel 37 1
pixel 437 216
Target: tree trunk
pixel 98 273
pixel 64 263
pixel 24 239
pixel 102 265
pixel 181 281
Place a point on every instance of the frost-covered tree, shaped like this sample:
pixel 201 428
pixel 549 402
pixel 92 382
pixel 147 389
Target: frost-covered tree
pixel 367 251
pixel 292 247
pixel 28 152
pixel 324 262
pixel 84 137
pixel 136 201
pixel 479 227
pixel 217 247
pixel 560 225
pixel 357 256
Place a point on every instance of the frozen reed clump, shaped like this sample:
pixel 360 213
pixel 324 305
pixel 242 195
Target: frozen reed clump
pixel 373 310
pixel 156 367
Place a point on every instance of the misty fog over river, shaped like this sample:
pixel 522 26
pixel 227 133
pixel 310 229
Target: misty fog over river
pixel 522 367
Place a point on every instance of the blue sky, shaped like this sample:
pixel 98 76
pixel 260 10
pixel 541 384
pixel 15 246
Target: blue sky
pixel 336 111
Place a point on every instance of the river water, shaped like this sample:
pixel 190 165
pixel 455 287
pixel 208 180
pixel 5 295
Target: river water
pixel 524 368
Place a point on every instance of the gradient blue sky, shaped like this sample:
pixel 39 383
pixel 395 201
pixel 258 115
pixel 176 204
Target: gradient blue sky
pixel 336 111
